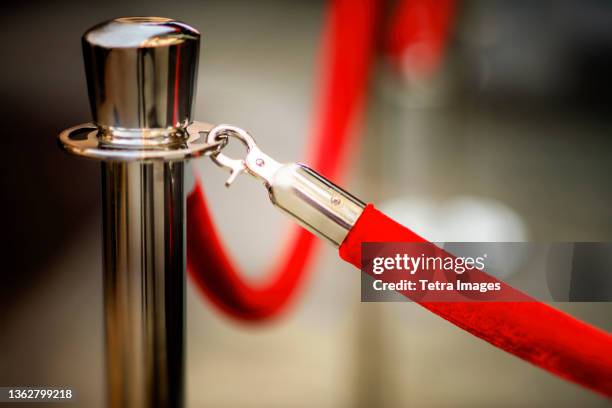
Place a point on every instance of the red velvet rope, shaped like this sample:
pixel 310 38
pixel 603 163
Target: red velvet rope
pixel 530 330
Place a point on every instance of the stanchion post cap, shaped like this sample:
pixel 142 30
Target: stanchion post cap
pixel 141 77
pixel 141 74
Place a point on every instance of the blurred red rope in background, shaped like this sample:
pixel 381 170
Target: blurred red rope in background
pixel 349 43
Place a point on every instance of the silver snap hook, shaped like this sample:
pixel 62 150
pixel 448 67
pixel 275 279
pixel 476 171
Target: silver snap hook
pixel 221 134
pixel 255 162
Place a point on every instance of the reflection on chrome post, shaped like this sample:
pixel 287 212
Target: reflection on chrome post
pixel 144 282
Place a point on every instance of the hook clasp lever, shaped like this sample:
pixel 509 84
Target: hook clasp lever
pixel 256 163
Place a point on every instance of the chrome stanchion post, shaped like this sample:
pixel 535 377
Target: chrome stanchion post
pixel 141 75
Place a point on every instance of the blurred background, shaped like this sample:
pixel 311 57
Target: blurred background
pixel 509 139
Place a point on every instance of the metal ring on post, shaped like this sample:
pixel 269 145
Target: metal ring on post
pixel 86 141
